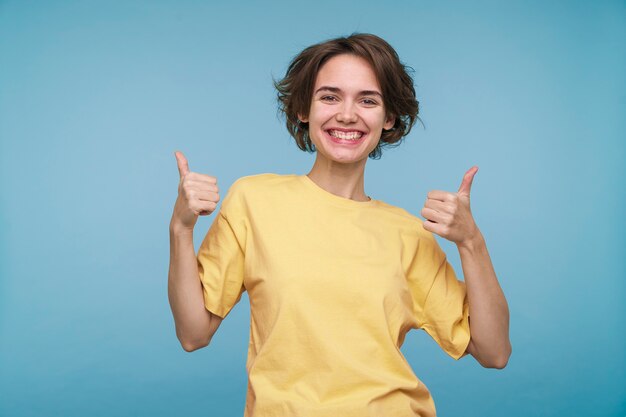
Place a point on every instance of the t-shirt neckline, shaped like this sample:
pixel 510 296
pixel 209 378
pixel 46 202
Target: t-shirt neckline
pixel 332 198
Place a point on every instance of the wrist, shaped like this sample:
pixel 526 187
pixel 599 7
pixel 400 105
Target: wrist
pixel 472 243
pixel 177 229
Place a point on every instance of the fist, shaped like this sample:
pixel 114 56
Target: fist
pixel 449 215
pixel 198 195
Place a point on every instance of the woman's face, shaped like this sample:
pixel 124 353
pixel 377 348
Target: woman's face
pixel 347 116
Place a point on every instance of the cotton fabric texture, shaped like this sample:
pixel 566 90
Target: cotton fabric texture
pixel 334 286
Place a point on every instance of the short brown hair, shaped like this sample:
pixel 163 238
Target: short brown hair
pixel 296 88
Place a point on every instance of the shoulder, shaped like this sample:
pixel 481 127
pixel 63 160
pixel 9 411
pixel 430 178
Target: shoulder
pixel 259 188
pixel 410 227
pixel 263 182
pixel 260 179
pixel 403 217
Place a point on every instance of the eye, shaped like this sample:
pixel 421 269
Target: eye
pixel 327 98
pixel 369 101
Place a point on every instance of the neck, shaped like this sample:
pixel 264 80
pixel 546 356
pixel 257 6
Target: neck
pixel 344 180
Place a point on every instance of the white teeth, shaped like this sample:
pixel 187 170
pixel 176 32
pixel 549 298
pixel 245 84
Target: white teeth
pixel 346 135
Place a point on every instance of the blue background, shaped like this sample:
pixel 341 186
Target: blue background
pixel 95 97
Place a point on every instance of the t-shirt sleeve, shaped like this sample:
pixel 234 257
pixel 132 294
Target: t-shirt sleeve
pixel 439 298
pixel 221 255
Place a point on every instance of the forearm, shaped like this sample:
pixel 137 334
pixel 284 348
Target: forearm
pixel 185 292
pixel 488 309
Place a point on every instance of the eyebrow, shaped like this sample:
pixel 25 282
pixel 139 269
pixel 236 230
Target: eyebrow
pixel 338 90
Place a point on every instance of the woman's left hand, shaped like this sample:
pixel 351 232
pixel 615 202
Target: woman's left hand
pixel 448 214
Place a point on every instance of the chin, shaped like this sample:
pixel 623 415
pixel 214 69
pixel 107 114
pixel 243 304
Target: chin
pixel 344 158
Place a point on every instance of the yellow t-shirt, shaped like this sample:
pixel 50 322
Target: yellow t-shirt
pixel 334 286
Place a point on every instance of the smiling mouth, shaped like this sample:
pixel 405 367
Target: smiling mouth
pixel 354 136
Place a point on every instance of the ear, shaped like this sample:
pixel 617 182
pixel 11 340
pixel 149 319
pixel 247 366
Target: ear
pixel 303 119
pixel 389 122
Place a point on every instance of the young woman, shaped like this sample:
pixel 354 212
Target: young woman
pixel 335 278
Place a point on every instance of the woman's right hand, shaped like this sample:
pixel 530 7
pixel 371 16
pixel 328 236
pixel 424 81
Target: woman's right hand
pixel 197 196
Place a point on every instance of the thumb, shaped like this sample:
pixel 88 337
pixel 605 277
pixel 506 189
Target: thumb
pixel 468 178
pixel 183 165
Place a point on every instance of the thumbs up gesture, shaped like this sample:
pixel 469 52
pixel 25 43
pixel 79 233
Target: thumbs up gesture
pixel 197 196
pixel 448 214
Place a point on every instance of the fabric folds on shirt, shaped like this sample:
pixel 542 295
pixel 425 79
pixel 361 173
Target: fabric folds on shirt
pixel 334 286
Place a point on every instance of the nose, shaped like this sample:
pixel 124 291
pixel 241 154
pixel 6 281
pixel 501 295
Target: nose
pixel 346 113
